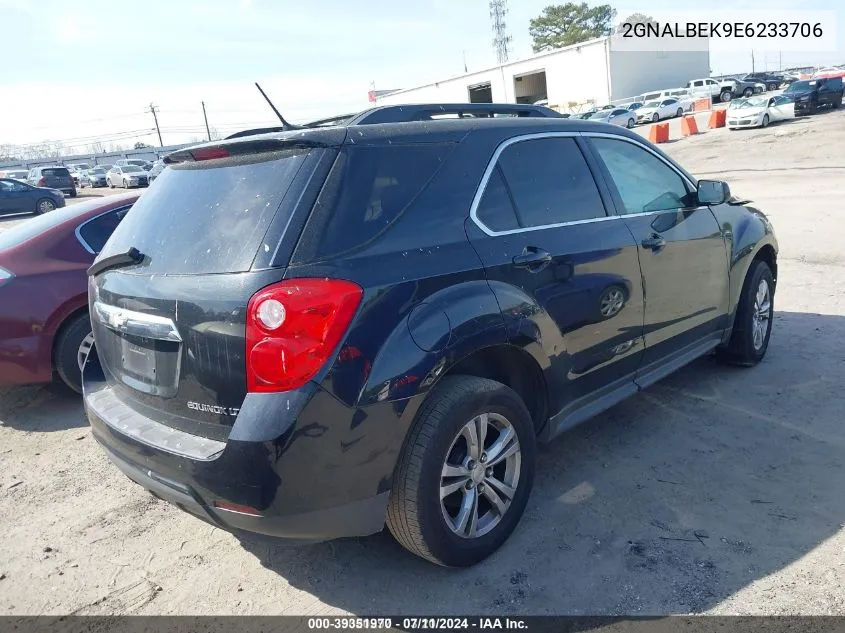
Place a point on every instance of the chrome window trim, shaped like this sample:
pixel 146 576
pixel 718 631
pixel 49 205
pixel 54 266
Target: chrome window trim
pixel 479 193
pixel 78 230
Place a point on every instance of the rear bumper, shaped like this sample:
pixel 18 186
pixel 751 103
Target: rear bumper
pixel 356 518
pixel 25 361
pixel 295 458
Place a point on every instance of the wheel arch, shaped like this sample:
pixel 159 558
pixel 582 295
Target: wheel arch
pixel 63 324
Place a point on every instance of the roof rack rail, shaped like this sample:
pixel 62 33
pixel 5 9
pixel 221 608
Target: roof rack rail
pixel 434 111
pixel 417 112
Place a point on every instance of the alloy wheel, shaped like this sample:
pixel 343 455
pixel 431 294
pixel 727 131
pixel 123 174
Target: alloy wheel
pixel 761 314
pixel 45 205
pixel 84 347
pixel 612 302
pixel 480 475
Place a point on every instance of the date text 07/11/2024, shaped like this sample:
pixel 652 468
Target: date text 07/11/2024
pixel 417 623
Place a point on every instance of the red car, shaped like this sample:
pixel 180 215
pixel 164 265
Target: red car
pixel 44 324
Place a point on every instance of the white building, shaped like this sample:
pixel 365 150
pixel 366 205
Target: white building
pixel 571 78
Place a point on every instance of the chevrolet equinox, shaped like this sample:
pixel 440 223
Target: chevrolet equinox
pixel 310 333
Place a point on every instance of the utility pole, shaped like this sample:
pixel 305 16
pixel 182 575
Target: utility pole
pixel 154 109
pixel 752 61
pixel 205 116
pixel 780 60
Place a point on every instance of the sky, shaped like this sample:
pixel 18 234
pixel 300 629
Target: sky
pixel 88 71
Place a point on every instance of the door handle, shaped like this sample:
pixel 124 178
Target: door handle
pixel 532 258
pixel 654 243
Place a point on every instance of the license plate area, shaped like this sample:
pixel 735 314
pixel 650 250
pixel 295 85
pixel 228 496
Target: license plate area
pixel 149 365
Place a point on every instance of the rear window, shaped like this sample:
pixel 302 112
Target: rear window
pixel 55 172
pixel 200 219
pixel 368 189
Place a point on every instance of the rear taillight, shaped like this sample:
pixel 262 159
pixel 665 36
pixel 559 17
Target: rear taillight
pixel 292 329
pixel 42 182
pixel 210 153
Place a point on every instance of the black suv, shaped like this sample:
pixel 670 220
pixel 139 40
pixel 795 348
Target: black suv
pixel 773 81
pixel 808 95
pixel 53 177
pixel 309 333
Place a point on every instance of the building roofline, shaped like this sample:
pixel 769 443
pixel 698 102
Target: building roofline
pixel 541 55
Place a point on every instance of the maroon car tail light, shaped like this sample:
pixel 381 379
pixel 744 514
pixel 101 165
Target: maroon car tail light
pixel 5 276
pixel 42 182
pixel 292 329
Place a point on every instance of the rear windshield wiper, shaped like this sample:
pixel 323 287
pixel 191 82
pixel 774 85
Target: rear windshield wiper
pixel 132 256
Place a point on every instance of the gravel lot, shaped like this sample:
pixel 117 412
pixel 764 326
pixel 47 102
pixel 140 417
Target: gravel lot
pixel 718 490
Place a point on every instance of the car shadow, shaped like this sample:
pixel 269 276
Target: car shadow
pixel 41 408
pixel 670 502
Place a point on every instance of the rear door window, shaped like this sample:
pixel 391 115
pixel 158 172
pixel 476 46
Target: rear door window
pixel 550 182
pixel 201 219
pixel 94 233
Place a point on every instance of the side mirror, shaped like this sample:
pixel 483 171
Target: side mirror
pixel 713 192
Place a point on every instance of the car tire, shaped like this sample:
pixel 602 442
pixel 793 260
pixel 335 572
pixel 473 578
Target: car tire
pixel 765 121
pixel 753 320
pixel 748 92
pixel 725 96
pixel 125 184
pixel 45 205
pixel 111 184
pixel 680 112
pixel 72 343
pixel 419 516
pixel 631 123
pixel 655 117
pixel 73 193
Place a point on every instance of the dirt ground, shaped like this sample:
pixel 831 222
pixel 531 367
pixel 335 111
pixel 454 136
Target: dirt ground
pixel 718 490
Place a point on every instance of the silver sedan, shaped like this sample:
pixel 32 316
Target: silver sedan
pixel 127 176
pixel 617 116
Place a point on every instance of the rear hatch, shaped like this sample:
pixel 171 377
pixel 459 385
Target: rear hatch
pixel 56 178
pixel 170 330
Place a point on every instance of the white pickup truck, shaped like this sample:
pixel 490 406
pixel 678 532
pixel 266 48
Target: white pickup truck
pixel 724 90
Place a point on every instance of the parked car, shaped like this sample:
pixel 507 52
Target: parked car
pixel 157 168
pixel 19 197
pixel 586 115
pixel 810 94
pixel 94 177
pixel 295 336
pixel 759 111
pixel 831 72
pixel 772 81
pixel 75 170
pixel 44 323
pixel 724 90
pixel 127 176
pixel 15 174
pixel 138 162
pixel 654 111
pixel 52 177
pixel 105 166
pixel 617 116
pixel 636 105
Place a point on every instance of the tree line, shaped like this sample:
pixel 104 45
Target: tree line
pixel 562 25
